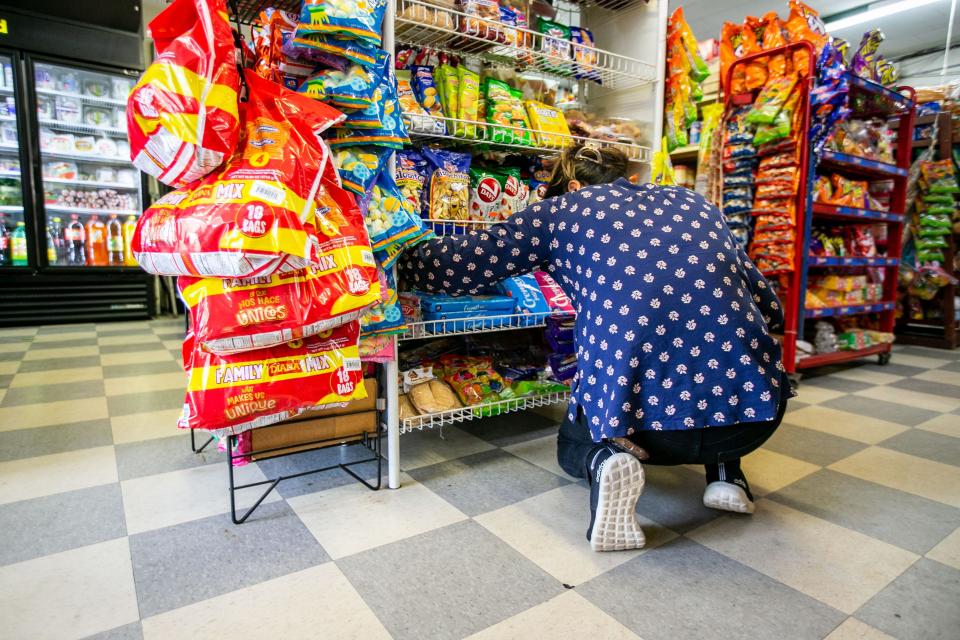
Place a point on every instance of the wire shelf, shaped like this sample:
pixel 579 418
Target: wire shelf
pixel 79 127
pixel 421 24
pixel 464 414
pixel 479 324
pixel 545 143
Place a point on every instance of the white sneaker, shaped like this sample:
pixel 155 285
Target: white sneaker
pixel 616 491
pixel 727 496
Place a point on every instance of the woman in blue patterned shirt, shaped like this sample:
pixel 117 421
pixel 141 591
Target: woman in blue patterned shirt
pixel 676 363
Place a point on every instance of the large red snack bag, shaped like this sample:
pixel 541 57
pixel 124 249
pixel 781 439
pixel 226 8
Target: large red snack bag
pixel 182 115
pixel 227 395
pixel 257 216
pixel 230 315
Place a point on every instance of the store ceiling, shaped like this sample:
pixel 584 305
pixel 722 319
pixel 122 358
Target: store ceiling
pixel 908 32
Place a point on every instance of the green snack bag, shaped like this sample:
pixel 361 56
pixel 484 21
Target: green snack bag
pixel 519 118
pixel 468 102
pixel 499 111
pixel 556 45
pixel 448 81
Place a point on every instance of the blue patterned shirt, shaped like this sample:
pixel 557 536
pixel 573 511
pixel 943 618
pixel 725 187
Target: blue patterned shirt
pixel 672 317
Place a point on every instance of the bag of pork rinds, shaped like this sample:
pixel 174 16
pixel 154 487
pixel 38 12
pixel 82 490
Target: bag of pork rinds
pixel 230 315
pixel 257 216
pixel 182 114
pixel 227 395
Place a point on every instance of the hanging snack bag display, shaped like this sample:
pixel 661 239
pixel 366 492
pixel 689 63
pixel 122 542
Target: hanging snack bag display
pixel 345 19
pixel 393 135
pixel 258 215
pixel 391 218
pixel 182 115
pixel 804 24
pixel 355 88
pixel 229 394
pixel 385 318
pixel 360 166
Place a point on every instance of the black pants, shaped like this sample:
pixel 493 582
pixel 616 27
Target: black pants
pixel 688 446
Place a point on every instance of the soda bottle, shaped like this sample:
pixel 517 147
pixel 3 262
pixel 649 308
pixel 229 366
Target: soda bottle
pixel 96 242
pixel 76 238
pixel 19 242
pixel 4 241
pixel 56 242
pixel 129 228
pixel 114 240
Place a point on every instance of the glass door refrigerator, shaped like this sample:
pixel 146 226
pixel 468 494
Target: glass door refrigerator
pixel 15 231
pixel 91 193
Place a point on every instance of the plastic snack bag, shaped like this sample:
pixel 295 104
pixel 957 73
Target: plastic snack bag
pixel 448 81
pixel 449 185
pixel 356 51
pixel 772 39
pixel 549 120
pixel 468 102
pixel 354 19
pixel 699 70
pixel 417 118
pixel 394 132
pixel 755 74
pixel 229 394
pixel 474 380
pixel 355 88
pixel 731 48
pixel 495 195
pixel 804 24
pixel 385 318
pixel 258 215
pixel 425 89
pixel 360 166
pixel 390 217
pixel 182 115
pixel 771 100
pixel 584 54
pixel 483 20
pixel 555 44
pixel 864 61
pixel 411 177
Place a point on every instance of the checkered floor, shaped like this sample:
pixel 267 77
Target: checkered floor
pixel 111 526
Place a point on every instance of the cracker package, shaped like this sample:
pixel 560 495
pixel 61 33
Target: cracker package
pixel 449 185
pixel 551 125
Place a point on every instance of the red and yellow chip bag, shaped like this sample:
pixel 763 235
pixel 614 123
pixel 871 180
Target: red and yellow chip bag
pixel 227 395
pixel 257 216
pixel 182 114
pixel 230 315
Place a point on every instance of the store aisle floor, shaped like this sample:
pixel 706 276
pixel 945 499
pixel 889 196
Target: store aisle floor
pixel 111 526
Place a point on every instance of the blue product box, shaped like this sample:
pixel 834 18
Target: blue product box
pixel 470 305
pixel 528 299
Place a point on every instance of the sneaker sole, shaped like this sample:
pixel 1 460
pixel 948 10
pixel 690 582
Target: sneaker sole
pixel 727 497
pixel 615 527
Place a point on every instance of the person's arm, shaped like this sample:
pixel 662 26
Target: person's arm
pixel 466 264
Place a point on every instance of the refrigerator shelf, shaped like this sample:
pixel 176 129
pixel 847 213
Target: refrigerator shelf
pixel 11 174
pixel 83 157
pixel 89 183
pixel 496 408
pixel 11 208
pixel 10 148
pixel 78 127
pixel 65 209
pixel 85 98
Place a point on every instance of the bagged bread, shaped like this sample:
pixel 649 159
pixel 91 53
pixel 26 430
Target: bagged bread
pixel 433 397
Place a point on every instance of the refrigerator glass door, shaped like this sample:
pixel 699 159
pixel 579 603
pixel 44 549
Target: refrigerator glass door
pixel 91 191
pixel 14 238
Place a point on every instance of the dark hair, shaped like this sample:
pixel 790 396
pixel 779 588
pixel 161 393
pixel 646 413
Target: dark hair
pixel 588 164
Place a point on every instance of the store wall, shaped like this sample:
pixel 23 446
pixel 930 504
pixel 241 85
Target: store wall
pixel 924 71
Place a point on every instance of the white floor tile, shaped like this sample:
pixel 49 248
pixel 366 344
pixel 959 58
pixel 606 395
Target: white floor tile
pixel 541 452
pixel 72 594
pixel 63 337
pixel 52 413
pixel 58 376
pixel 376 517
pixel 45 475
pixel 815 395
pixel 862 374
pixel 917 361
pixel 919 476
pixel 947 424
pixel 24 331
pixel 941 376
pixel 14 347
pixel 844 424
pixel 147 426
pixel 136 357
pixel 768 471
pixel 314 603
pixel 835 565
pixel 64 352
pixel 569 616
pixel 429 448
pixel 912 398
pixel 853 629
pixel 145 383
pixel 9 367
pixel 948 551
pixel 170 498
pixel 549 530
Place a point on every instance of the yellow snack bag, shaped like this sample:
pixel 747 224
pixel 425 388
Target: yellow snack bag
pixel 547 120
pixel 448 81
pixel 468 102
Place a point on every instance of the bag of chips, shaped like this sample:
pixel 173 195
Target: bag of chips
pixel 584 54
pixel 468 102
pixel 393 135
pixel 755 73
pixel 385 318
pixel 555 44
pixel 355 88
pixel 475 380
pixel 353 19
pixel 448 81
pixel 258 216
pixel 496 194
pixel 391 218
pixel 449 184
pixel 356 51
pixel 804 24
pixel 182 115
pixel 411 177
pixel 549 120
pixel 425 89
pixel 360 166
pixel 229 394
pixel 731 48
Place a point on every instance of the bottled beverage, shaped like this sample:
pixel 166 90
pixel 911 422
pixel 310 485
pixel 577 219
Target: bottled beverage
pixel 96 242
pixel 129 228
pixel 76 238
pixel 4 241
pixel 19 243
pixel 56 242
pixel 114 240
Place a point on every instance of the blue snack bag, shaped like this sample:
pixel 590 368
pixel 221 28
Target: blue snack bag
pixel 356 51
pixel 528 298
pixel 352 19
pixel 386 317
pixel 390 217
pixel 358 87
pixel 360 166
pixel 392 134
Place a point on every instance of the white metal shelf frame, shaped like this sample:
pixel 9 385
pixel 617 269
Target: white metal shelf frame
pixel 427 329
pixel 484 410
pixel 487 40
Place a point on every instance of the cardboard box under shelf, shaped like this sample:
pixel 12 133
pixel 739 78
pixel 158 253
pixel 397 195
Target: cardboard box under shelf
pixel 326 431
pixel 367 404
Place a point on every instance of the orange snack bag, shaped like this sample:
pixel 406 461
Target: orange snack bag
pixel 257 216
pixel 756 71
pixel 773 38
pixel 731 48
pixel 227 395
pixel 805 24
pixel 182 113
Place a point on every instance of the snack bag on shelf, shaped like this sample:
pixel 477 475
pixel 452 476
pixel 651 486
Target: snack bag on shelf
pixel 229 394
pixel 468 102
pixel 475 380
pixel 449 184
pixel 411 177
pixel 483 20
pixel 371 117
pixel 864 61
pixel 551 126
pixel 433 16
pixel 433 396
pixel 425 89
pixel 755 73
pixel 447 80
pixel 348 19
pixel 360 166
pixel 804 24
pixel 731 48
pixel 259 215
pixel 394 132
pixel 182 115
pixel 527 296
pixel 418 119
pixel 519 119
pixel 661 171
pixel 555 44
pixel 699 70
pixel 849 193
pixel 495 195
pixel 584 54
pixel 355 88
pixel 356 51
pixel 772 99
pixel 377 349
pixel 500 108
pixel 385 318
pixel 390 217
pixel 557 300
